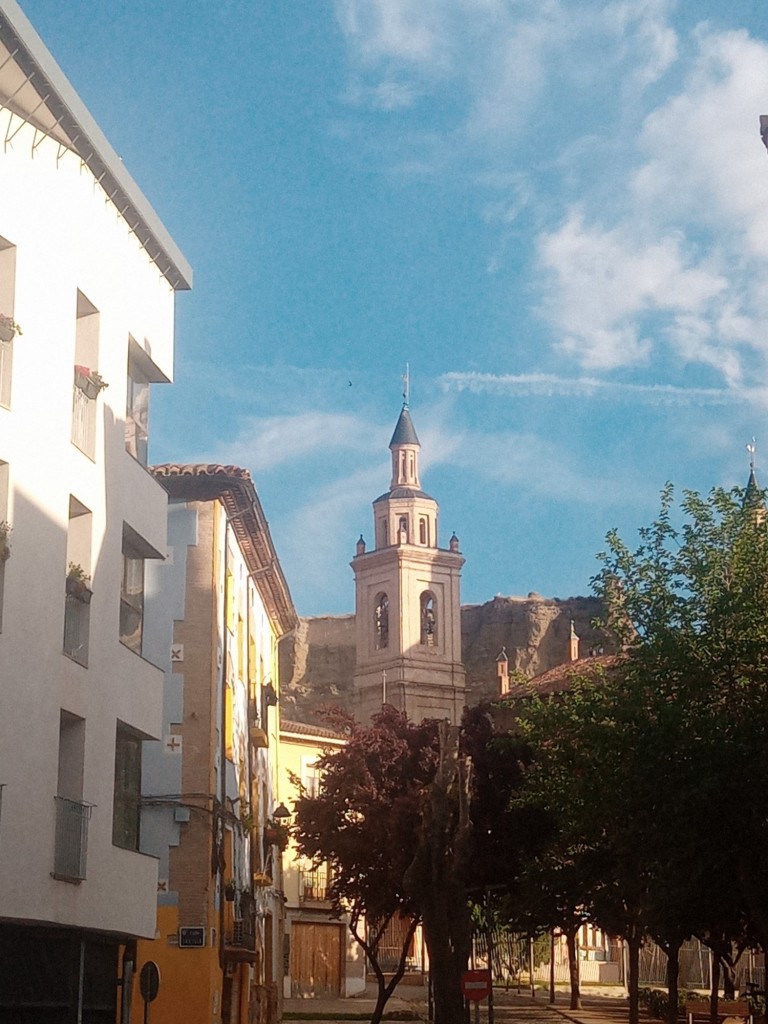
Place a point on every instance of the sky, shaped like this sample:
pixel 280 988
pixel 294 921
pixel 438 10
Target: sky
pixel 555 211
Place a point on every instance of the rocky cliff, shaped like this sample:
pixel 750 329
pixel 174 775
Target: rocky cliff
pixel 317 660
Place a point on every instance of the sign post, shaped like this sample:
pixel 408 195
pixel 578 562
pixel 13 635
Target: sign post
pixel 149 985
pixel 476 986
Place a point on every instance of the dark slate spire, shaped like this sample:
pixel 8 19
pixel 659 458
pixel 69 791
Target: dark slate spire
pixel 753 495
pixel 404 431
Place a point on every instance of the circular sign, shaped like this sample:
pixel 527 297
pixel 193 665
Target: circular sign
pixel 149 981
pixel 476 985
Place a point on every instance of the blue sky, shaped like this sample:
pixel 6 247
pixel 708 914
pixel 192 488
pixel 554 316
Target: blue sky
pixel 556 211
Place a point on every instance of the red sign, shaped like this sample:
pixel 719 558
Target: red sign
pixel 476 985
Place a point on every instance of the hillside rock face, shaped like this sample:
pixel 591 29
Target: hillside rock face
pixel 317 660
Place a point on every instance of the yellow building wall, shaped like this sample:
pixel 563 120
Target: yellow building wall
pixel 190 979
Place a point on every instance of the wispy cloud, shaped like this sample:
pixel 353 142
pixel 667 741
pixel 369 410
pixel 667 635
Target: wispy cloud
pixel 551 386
pixel 265 442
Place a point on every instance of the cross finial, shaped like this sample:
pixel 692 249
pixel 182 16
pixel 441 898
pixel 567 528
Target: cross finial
pixel 751 447
pixel 407 385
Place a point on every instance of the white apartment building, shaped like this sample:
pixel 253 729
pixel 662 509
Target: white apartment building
pixel 88 277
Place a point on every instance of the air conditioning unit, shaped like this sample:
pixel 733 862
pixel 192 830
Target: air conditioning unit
pixel 191 938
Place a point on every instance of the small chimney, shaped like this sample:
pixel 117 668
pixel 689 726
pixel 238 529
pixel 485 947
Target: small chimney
pixel 573 642
pixel 502 671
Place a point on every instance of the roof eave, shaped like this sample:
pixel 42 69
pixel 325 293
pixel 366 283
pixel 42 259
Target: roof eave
pixel 91 145
pixel 234 487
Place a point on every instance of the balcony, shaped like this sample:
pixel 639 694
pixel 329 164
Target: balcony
pixel 313 886
pixel 83 421
pixel 240 934
pixel 77 615
pixel 71 848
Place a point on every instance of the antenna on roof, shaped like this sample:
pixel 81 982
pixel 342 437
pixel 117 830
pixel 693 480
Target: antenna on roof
pixel 751 448
pixel 407 385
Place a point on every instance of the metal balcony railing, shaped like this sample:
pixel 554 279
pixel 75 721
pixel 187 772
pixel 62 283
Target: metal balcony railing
pixel 71 848
pixel 77 617
pixel 314 886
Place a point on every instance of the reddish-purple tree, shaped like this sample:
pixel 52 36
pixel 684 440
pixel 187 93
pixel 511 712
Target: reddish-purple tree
pixel 365 822
pixel 391 819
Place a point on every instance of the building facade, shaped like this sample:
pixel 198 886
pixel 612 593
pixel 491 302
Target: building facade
pixel 88 277
pixel 210 785
pixel 407 600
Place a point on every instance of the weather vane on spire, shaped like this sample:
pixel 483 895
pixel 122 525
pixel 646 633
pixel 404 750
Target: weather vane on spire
pixel 751 448
pixel 407 385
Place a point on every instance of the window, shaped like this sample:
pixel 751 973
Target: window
pixel 72 815
pixel 402 530
pixel 135 552
pixel 141 373
pixel 423 531
pixel 8 330
pixel 77 607
pixel 381 622
pixel 137 415
pixel 127 798
pixel 132 600
pixel 87 381
pixel 310 778
pixel 428 619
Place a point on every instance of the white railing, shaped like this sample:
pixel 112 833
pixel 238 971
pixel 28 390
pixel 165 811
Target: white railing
pixel 83 421
pixel 71 847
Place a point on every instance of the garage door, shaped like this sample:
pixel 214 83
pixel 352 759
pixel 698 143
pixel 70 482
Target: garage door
pixel 316 951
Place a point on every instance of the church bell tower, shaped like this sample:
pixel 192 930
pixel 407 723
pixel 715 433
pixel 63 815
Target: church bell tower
pixel 407 603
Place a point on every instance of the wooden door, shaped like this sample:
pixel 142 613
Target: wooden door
pixel 316 959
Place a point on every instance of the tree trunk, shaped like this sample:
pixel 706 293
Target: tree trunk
pixel 573 968
pixel 633 980
pixel 445 968
pixel 552 966
pixel 715 990
pixel 673 979
pixel 383 989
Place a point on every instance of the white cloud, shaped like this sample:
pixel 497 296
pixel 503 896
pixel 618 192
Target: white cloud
pixel 605 280
pixel 643 25
pixel 408 30
pixel 550 386
pixel 264 442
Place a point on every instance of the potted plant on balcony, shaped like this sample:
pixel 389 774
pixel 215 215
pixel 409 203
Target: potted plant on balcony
pixel 77 583
pixel 5 546
pixel 230 890
pixel 276 834
pixel 89 381
pixel 8 328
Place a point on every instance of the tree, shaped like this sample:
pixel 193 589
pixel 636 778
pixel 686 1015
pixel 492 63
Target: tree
pixel 365 823
pixel 691 604
pixel 392 820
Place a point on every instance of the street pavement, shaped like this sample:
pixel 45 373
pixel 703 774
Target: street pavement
pixel 604 1006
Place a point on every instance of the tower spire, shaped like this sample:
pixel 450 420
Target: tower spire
pixel 407 386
